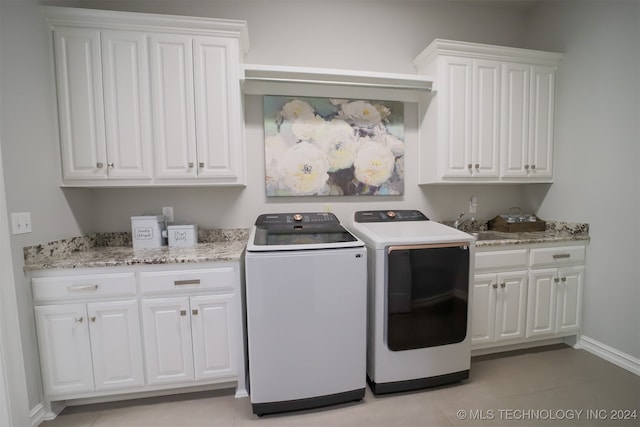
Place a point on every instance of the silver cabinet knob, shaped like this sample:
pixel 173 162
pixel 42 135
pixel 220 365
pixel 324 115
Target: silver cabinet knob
pixel 533 167
pixel 110 165
pixel 469 166
pixel 526 167
pixel 99 165
pixel 201 164
pixel 564 279
pixel 495 286
pixel 556 279
pixel 503 285
pixel 79 319
pixel 478 166
pixel 190 164
pixel 93 319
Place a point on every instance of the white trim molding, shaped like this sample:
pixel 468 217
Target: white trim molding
pixel 610 354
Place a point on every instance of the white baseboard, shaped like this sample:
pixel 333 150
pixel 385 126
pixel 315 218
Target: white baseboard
pixel 610 354
pixel 37 414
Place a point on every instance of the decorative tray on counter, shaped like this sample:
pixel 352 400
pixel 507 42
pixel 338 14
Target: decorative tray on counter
pixel 516 222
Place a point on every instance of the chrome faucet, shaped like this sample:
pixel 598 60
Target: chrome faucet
pixel 459 221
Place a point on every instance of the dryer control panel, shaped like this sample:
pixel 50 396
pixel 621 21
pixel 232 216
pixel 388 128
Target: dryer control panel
pixel 389 216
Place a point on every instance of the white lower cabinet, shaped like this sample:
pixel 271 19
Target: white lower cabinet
pixel 87 347
pixel 540 300
pixel 187 338
pixel 554 301
pixel 138 329
pixel 499 307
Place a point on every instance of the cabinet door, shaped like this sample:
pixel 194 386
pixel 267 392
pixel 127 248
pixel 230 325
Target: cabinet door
pixel 542 300
pixel 219 121
pixel 486 119
pixel 456 126
pixel 569 310
pixel 65 349
pixel 213 343
pixel 483 308
pixel 127 104
pixel 167 340
pixel 116 344
pixel 541 121
pixel 80 103
pixel 511 305
pixel 174 126
pixel 515 119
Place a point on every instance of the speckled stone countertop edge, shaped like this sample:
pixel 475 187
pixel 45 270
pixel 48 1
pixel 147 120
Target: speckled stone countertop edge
pixel 114 249
pixel 555 231
pixel 530 238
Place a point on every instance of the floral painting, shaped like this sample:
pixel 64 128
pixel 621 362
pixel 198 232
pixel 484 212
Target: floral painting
pixel 333 147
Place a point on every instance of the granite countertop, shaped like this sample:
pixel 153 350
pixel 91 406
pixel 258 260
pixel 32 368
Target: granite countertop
pixel 555 231
pixel 114 249
pixel 506 239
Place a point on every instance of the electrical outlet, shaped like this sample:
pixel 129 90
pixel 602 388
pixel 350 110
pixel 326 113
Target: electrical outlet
pixel 167 212
pixel 21 222
pixel 473 204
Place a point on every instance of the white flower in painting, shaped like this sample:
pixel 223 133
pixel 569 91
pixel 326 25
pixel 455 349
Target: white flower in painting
pixel 304 169
pixel 297 109
pixel 395 144
pixel 360 113
pixel 308 128
pixel 383 111
pixel 338 141
pixel 336 101
pixel 374 164
pixel 275 147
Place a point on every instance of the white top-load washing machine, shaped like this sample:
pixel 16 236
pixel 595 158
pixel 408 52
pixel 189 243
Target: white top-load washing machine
pixel 306 289
pixel 418 300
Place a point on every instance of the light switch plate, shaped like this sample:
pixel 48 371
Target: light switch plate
pixel 21 222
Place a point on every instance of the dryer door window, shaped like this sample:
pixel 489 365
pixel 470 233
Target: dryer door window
pixel 427 295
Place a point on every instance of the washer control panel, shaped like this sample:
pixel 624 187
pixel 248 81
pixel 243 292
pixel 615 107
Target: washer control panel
pixel 320 218
pixel 389 216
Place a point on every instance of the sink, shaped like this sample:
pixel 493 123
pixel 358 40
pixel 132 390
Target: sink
pixel 492 235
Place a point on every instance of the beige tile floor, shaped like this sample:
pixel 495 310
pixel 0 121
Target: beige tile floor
pixel 550 386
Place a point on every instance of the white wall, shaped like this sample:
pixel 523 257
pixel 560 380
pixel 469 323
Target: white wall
pixel 597 153
pixel 29 148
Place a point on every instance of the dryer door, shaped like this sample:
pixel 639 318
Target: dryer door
pixel 427 295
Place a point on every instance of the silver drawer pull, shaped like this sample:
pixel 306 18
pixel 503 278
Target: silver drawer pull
pixel 558 256
pixel 186 282
pixel 81 288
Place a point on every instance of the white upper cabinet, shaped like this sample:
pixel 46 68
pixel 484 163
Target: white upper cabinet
pixel 197 108
pixel 527 126
pixel 490 118
pixel 80 103
pixel 139 106
pixel 126 103
pixel 173 105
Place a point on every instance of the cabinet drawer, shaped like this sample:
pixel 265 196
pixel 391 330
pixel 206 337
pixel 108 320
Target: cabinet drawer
pixel 83 286
pixel 501 260
pixel 188 280
pixel 557 257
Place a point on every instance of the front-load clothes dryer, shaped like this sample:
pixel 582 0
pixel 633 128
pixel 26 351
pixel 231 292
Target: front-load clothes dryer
pixel 306 290
pixel 418 300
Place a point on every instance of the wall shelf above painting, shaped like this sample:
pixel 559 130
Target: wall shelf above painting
pixel 325 82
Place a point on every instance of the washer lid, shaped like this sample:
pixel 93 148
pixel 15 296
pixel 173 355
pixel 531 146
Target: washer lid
pixel 300 231
pixel 382 234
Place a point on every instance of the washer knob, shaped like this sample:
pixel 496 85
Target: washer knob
pixel 391 214
pixel 297 217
